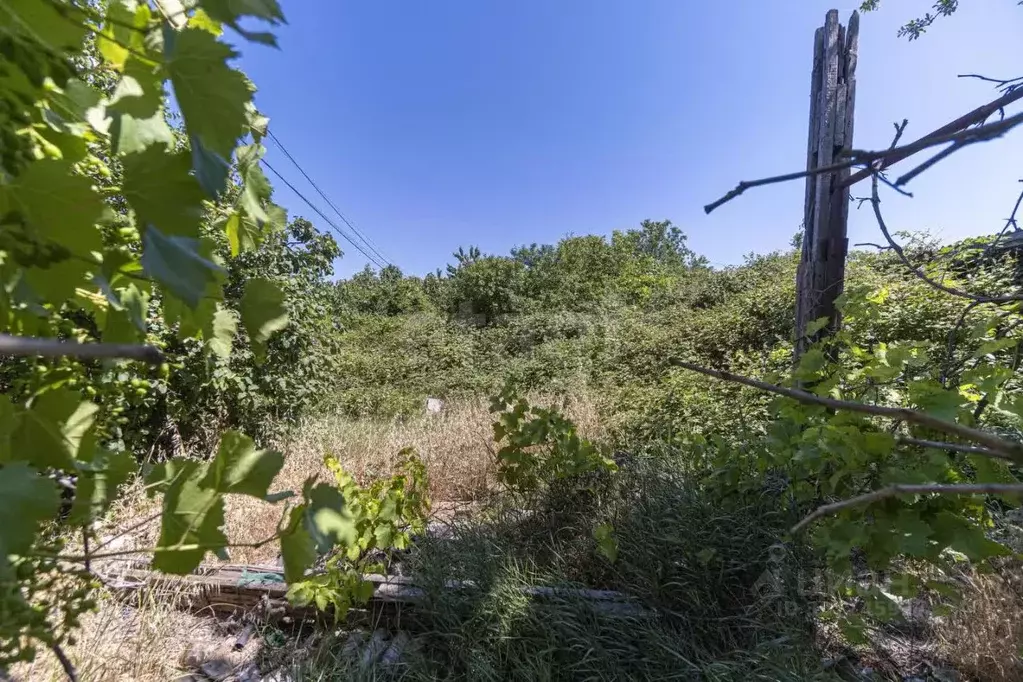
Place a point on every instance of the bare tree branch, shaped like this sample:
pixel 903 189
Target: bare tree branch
pixel 910 489
pixel 25 346
pixel 966 138
pixel 1006 447
pixel 875 201
pixel 957 447
pixel 1003 84
pixel 956 131
pixel 978 115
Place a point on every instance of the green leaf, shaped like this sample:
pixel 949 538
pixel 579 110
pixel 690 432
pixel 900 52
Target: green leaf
pixel 59 205
pixel 384 534
pixel 132 135
pixel 225 326
pixel 240 468
pixel 28 500
pixel 995 346
pixel 61 29
pixel 126 323
pixel 256 188
pixel 243 233
pixel 810 364
pixel 200 19
pixel 211 170
pixel 931 397
pixel 914 535
pixel 816 325
pixel 258 123
pixel 263 312
pixel 97 488
pixel 230 11
pixel 607 545
pixel 989 470
pixel 50 432
pixel 298 551
pixel 192 515
pixel 211 95
pixel 328 520
pixel 176 263
pixel 160 188
pixel 123 31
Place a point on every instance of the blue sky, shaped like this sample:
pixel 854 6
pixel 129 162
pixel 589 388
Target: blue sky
pixel 434 125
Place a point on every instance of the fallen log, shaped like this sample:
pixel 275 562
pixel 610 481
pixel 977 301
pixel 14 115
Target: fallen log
pixel 260 591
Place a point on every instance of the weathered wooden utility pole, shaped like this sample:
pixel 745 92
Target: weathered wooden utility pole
pixel 821 271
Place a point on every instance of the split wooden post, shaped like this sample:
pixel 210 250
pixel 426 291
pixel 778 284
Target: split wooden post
pixel 821 274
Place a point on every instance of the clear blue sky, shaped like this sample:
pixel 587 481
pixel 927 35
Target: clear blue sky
pixel 440 124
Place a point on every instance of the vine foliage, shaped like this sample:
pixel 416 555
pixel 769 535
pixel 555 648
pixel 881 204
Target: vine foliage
pixel 114 203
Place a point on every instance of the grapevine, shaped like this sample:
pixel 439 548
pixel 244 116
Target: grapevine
pixel 116 216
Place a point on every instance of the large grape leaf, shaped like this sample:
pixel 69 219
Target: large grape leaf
pixel 298 551
pixel 192 515
pixel 211 170
pixel 263 312
pixel 50 432
pixel 28 499
pixel 57 281
pixel 243 233
pixel 177 263
pixel 329 522
pixel 61 27
pixel 230 11
pixel 240 468
pixel 255 187
pixel 160 187
pixel 211 95
pixel 225 326
pixel 59 205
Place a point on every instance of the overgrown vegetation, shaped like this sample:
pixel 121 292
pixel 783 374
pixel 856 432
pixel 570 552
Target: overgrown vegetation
pixel 611 460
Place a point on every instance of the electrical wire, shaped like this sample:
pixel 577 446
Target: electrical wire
pixel 373 259
pixel 365 240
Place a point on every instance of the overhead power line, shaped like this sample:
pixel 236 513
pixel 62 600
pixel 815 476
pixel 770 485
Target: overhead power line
pixel 341 233
pixel 365 240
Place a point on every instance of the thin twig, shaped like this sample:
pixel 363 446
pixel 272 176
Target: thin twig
pixel 950 352
pixel 957 447
pixel 78 559
pixel 875 201
pixel 1003 84
pixel 951 132
pixel 65 662
pixel 27 346
pixel 129 529
pixel 910 489
pixel 1013 450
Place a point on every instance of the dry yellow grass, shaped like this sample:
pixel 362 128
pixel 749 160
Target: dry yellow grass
pixel 147 643
pixel 456 445
pixel 983 636
pixel 151 641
